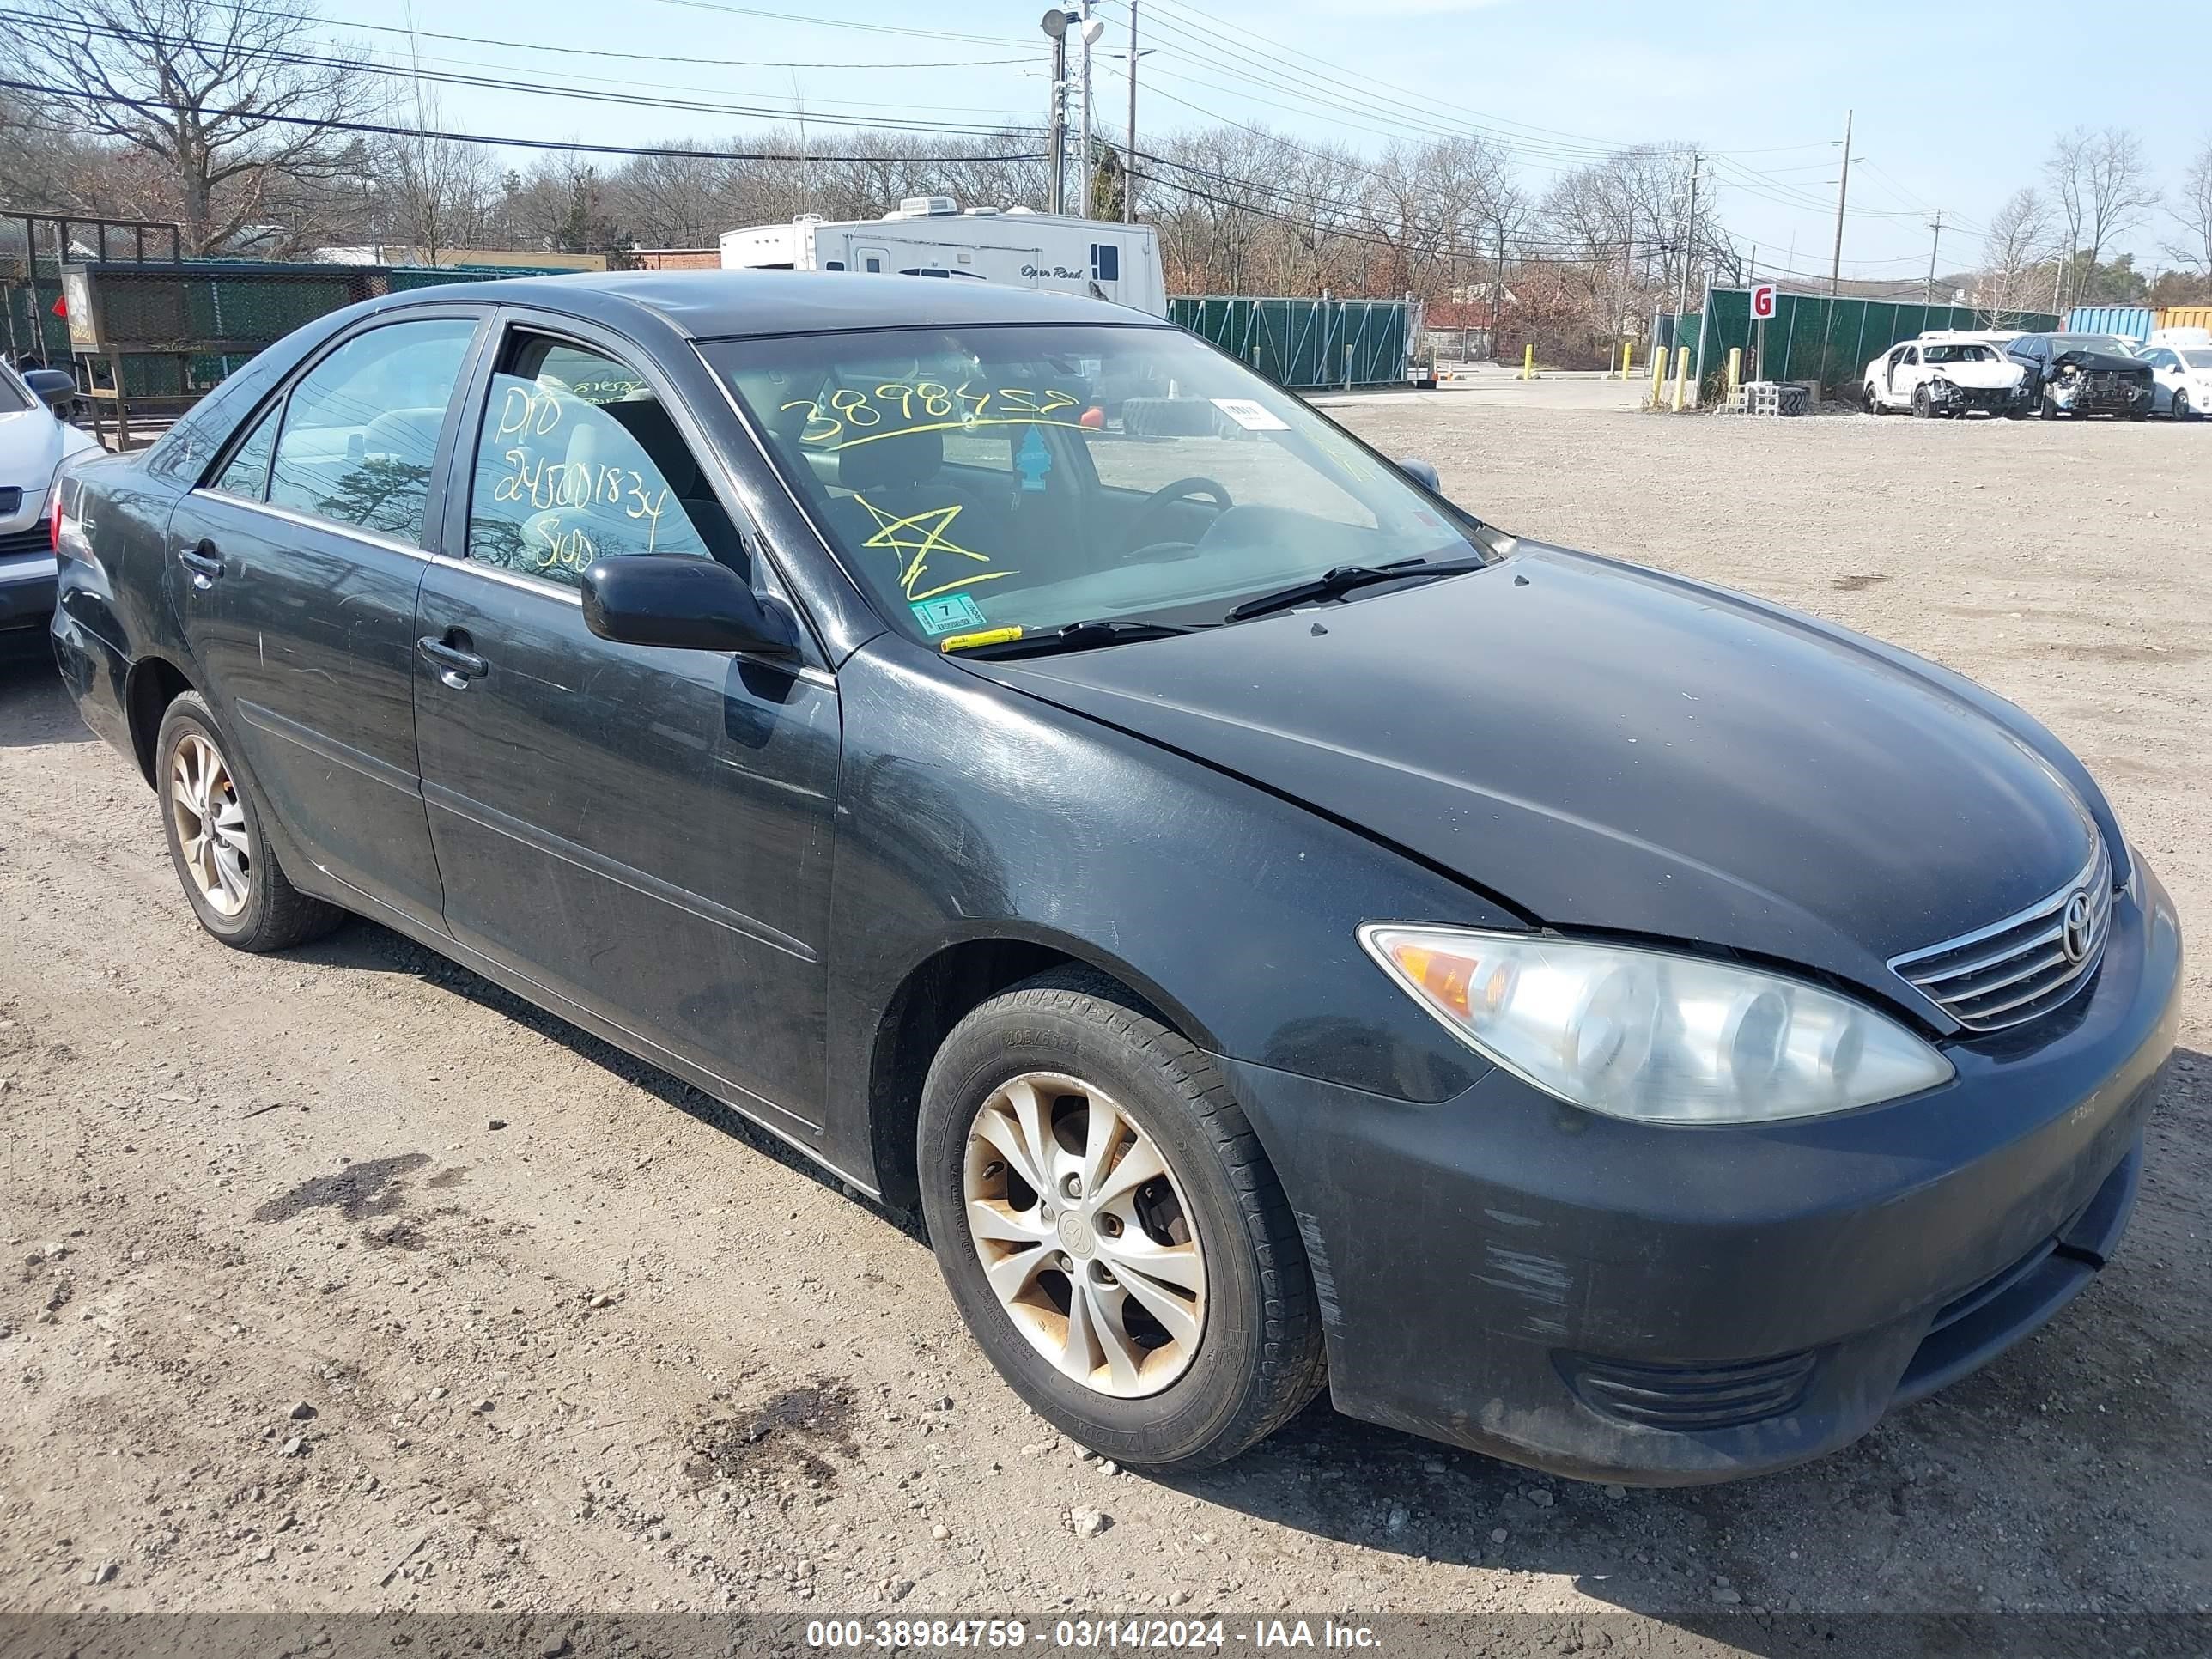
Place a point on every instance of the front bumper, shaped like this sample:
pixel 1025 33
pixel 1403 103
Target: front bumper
pixel 2102 394
pixel 26 591
pixel 1612 1301
pixel 1954 399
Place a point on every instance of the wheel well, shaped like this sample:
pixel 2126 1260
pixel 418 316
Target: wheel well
pixel 932 999
pixel 153 685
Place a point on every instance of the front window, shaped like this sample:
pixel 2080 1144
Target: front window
pixel 1960 354
pixel 14 396
pixel 990 479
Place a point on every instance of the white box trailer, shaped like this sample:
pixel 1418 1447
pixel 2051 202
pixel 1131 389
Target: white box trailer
pixel 930 236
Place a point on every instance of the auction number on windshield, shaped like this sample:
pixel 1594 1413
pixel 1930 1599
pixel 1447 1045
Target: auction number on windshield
pixel 853 414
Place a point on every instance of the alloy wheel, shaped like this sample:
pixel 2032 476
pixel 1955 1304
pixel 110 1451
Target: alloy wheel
pixel 210 822
pixel 1084 1235
pixel 2179 408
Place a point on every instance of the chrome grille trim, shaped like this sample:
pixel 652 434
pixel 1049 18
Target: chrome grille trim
pixel 2015 969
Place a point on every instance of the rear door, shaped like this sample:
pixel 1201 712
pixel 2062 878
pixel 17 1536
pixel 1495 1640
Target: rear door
pixel 644 832
pixel 293 571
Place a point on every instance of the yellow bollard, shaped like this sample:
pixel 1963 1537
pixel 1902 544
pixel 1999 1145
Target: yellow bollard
pixel 1528 362
pixel 1658 376
pixel 1681 374
pixel 1735 369
pixel 1627 357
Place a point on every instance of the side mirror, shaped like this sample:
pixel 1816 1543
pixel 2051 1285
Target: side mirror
pixel 1421 472
pixel 696 604
pixel 51 387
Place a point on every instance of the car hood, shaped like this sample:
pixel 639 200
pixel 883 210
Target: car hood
pixel 32 444
pixel 1607 748
pixel 2100 362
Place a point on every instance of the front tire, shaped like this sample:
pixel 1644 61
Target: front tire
pixel 2179 407
pixel 1924 406
pixel 1110 1230
pixel 228 869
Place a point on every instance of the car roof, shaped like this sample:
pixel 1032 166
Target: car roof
pixel 714 304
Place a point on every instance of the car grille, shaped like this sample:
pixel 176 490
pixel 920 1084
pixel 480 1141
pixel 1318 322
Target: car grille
pixel 2016 968
pixel 1690 1397
pixel 34 540
pixel 11 501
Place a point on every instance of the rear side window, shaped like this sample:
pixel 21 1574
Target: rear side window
pixel 1105 263
pixel 360 428
pixel 578 460
pixel 246 474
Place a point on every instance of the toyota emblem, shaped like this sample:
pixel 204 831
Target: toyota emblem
pixel 2074 933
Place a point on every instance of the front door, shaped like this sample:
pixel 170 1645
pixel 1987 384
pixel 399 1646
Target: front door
pixel 644 832
pixel 293 573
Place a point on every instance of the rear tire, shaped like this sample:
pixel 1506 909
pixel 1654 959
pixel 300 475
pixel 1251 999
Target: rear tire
pixel 228 871
pixel 1236 1350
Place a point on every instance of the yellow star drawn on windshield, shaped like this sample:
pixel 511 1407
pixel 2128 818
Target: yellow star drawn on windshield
pixel 914 538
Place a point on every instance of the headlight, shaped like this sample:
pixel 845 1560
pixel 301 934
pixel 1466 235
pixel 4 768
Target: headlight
pixel 1655 1037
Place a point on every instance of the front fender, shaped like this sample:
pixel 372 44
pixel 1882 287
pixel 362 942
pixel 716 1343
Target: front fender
pixel 968 810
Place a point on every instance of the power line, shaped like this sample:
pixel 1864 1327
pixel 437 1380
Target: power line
pixel 565 147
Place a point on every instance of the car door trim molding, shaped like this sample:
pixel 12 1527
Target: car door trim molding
pixel 309 521
pixel 262 718
pixel 626 875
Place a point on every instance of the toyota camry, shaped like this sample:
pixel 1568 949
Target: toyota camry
pixel 1281 931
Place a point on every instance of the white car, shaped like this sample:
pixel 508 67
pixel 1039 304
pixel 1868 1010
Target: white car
pixel 32 446
pixel 1939 375
pixel 2181 379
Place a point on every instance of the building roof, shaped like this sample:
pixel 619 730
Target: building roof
pixel 710 304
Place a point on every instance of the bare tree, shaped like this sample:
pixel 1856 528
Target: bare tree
pixel 2102 181
pixel 2192 208
pixel 2015 252
pixel 226 95
pixel 438 193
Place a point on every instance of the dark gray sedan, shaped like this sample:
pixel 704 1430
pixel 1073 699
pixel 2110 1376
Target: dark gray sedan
pixel 1281 931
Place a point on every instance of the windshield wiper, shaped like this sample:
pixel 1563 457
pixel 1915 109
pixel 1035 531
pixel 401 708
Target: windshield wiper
pixel 1072 637
pixel 1335 584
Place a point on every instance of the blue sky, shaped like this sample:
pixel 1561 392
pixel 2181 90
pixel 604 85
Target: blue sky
pixel 1955 104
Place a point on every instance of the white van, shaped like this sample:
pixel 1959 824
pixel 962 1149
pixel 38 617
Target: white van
pixel 930 236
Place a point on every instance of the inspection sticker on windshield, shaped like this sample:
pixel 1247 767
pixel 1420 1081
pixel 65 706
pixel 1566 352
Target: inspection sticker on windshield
pixel 947 612
pixel 1250 416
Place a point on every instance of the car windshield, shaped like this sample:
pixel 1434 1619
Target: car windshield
pixel 14 397
pixel 2197 359
pixel 982 479
pixel 1959 354
pixel 2111 344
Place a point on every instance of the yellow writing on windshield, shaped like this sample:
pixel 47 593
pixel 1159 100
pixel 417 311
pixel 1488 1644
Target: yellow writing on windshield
pixel 841 419
pixel 916 537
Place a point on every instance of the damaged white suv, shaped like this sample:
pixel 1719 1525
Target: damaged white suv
pixel 1941 374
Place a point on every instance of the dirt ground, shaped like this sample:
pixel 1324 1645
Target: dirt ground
pixel 342 1280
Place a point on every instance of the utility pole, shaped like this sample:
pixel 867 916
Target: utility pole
pixel 1843 191
pixel 1129 165
pixel 1928 297
pixel 1055 28
pixel 1084 204
pixel 1690 240
pixel 1498 288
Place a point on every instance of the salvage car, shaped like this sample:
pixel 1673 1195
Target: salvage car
pixel 2076 375
pixel 2182 377
pixel 34 443
pixel 1281 931
pixel 1938 374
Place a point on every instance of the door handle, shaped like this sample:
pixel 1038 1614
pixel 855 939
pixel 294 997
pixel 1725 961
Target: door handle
pixel 456 667
pixel 203 561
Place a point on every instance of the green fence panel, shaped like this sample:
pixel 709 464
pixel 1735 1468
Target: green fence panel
pixel 1813 336
pixel 1302 343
